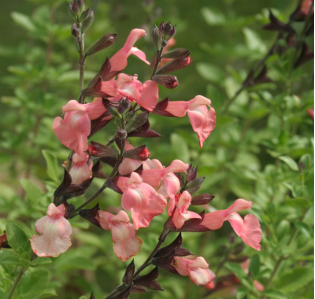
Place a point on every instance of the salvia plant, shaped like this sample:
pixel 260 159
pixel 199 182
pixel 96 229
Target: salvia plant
pixel 145 189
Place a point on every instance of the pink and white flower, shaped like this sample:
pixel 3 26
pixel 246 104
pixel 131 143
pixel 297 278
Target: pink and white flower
pixel 126 244
pixel 196 268
pixel 80 171
pixel 54 230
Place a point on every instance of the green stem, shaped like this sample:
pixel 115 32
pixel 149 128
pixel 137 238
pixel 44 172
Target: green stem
pixel 227 105
pixel 16 283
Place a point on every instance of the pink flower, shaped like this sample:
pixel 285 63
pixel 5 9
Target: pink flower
pixel 305 6
pixel 311 112
pixel 55 233
pixel 146 95
pixel 197 269
pixel 249 229
pixel 72 131
pixel 202 120
pixel 79 169
pixel 128 165
pixel 119 60
pixel 141 199
pixel 181 214
pixel 163 178
pixel 126 244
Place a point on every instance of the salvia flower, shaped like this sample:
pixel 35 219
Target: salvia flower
pixel 202 120
pixel 248 229
pixel 196 268
pixel 119 60
pixel 126 244
pixel 80 171
pixel 54 230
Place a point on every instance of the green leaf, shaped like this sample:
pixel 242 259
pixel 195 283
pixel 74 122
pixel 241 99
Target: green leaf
pixel 236 269
pixel 210 72
pixel 299 202
pixel 241 293
pixel 23 21
pixel 40 261
pixel 276 294
pixel 52 165
pixel 290 162
pixel 253 41
pixel 213 16
pixel 9 257
pixel 305 229
pixel 254 264
pixel 17 239
pixel 295 279
pixel 33 193
pixel 180 147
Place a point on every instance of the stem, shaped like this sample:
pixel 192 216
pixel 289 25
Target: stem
pixel 16 283
pixel 232 100
pixel 158 59
pixel 81 62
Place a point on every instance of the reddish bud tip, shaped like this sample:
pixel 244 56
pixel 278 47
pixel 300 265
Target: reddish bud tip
pixel 144 154
pixel 92 150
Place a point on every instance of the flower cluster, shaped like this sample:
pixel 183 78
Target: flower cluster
pixel 147 187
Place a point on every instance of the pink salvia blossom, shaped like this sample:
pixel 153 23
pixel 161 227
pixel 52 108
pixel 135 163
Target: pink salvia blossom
pixel 126 244
pixel 146 95
pixel 202 120
pixel 54 230
pixel 72 131
pixel 119 60
pixel 79 169
pixel 181 214
pixel 196 268
pixel 164 177
pixel 249 229
pixel 141 199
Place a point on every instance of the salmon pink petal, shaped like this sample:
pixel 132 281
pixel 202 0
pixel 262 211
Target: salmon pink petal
pixel 149 95
pixel 74 105
pixel 55 233
pixel 214 220
pixel 79 169
pixel 248 229
pixel 95 109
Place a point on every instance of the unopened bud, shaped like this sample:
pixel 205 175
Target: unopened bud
pixel 156 38
pixel 123 106
pixel 121 133
pixel 113 111
pixel 84 14
pixel 88 21
pixel 167 30
pixel 191 173
pixel 75 8
pixel 104 42
pixel 92 150
pixel 164 43
pixel 177 53
pixel 70 11
pixel 174 65
pixel 167 27
pixel 161 26
pixel 140 153
pixel 167 81
pixel 75 31
pixel 80 4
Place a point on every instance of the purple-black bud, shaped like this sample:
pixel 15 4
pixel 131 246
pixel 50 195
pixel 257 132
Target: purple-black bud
pixel 123 106
pixel 75 8
pixel 167 81
pixel 191 173
pixel 75 31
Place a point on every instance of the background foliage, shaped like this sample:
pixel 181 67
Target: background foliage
pixel 261 149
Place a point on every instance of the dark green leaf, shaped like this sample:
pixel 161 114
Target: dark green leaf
pixel 17 239
pixel 254 264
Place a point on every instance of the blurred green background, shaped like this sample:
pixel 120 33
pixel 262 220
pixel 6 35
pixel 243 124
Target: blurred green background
pixel 256 151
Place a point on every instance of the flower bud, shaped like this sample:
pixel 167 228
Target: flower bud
pixel 156 38
pixel 80 4
pixel 123 106
pixel 167 30
pixel 70 11
pixel 174 65
pixel 177 53
pixel 104 42
pixel 121 133
pixel 88 21
pixel 140 153
pixel 191 173
pixel 75 8
pixel 84 14
pixel 167 81
pixel 99 150
pixel 75 31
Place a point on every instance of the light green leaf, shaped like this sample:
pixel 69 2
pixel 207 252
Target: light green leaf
pixel 300 202
pixel 33 193
pixel 213 16
pixel 210 72
pixel 40 261
pixel 23 21
pixel 180 147
pixel 52 165
pixel 236 269
pixel 253 41
pixel 9 257
pixel 17 238
pixel 276 294
pixel 295 279
pixel 74 76
pixel 290 162
pixel 304 229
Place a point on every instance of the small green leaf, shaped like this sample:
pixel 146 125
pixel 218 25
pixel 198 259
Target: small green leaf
pixel 253 41
pixel 180 147
pixel 23 21
pixel 9 257
pixel 299 202
pixel 33 193
pixel 52 165
pixel 304 229
pixel 241 293
pixel 254 264
pixel 17 239
pixel 210 72
pixel 290 162
pixel 295 279
pixel 276 294
pixel 236 269
pixel 213 16
pixel 40 261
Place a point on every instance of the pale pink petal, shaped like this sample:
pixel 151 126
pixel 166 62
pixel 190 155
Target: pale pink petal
pixel 79 169
pixel 55 233
pixel 140 54
pixel 258 286
pixel 74 105
pixel 177 166
pixel 171 184
pixel 201 276
pixel 198 101
pixel 214 220
pixel 249 229
pixel 239 205
pixel 178 108
pixel 128 166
